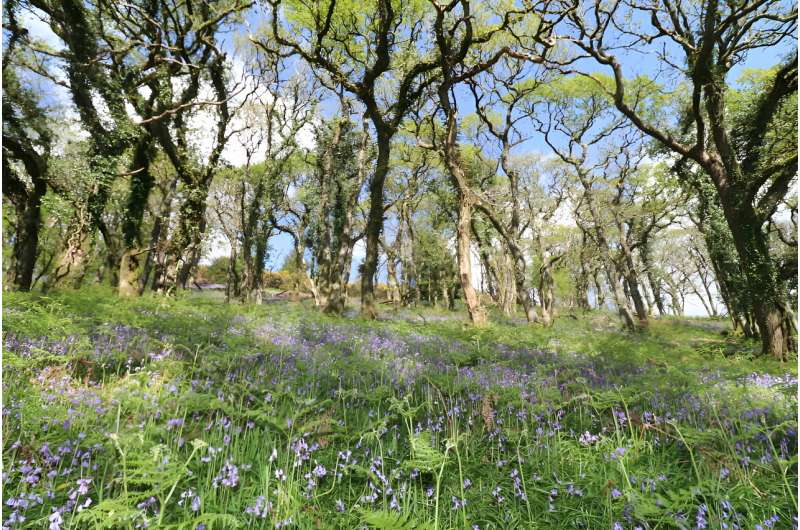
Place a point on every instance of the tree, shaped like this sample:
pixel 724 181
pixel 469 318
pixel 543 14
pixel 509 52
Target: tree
pixel 131 54
pixel 703 45
pixel 267 126
pixel 502 101
pixel 465 49
pixel 342 165
pixel 27 142
pixel 374 55
pixel 579 128
pixel 77 25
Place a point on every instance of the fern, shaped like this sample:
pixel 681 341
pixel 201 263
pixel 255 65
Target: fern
pixel 109 513
pixel 386 520
pixel 424 456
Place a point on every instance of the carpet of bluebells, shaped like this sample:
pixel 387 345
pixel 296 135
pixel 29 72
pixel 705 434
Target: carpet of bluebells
pixel 194 414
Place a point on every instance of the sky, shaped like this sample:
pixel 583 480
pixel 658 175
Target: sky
pixel 281 245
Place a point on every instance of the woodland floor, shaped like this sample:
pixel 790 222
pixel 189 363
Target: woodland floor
pixel 190 413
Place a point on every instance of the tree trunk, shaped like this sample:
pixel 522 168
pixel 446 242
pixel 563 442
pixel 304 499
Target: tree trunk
pixel 465 203
pixel 186 241
pixel 129 273
pixel 374 226
pixel 600 296
pixel 582 290
pixel 655 283
pixel 629 273
pixel 476 313
pixel 394 289
pixel 72 265
pixel 141 184
pixel 611 268
pixel 763 282
pixel 546 297
pixel 156 252
pixel 408 261
pixel 232 285
pixel 765 287
pixel 26 243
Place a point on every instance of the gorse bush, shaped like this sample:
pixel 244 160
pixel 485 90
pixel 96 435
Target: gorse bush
pixel 188 413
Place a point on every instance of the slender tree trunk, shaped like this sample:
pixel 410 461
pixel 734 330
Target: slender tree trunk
pixel 391 278
pixel 476 312
pixel 346 200
pixel 232 285
pixel 611 268
pixel 600 294
pixel 631 278
pixel 582 289
pixel 523 292
pixel 458 178
pixel 655 283
pixel 546 296
pixel 408 260
pixel 157 245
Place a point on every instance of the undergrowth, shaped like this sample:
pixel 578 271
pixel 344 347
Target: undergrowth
pixel 190 413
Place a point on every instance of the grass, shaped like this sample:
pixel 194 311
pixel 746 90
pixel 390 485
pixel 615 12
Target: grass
pixel 189 413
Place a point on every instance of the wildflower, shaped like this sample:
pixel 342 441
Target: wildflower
pixel 458 503
pixel 467 483
pixel 195 499
pixel 261 508
pixel 144 505
pixel 340 506
pixel 228 476
pixel 768 523
pixel 496 494
pixel 55 521
pixel 280 475
pixel 575 492
pixel 286 522
pixel 700 519
pixel 616 493
pixel 83 485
